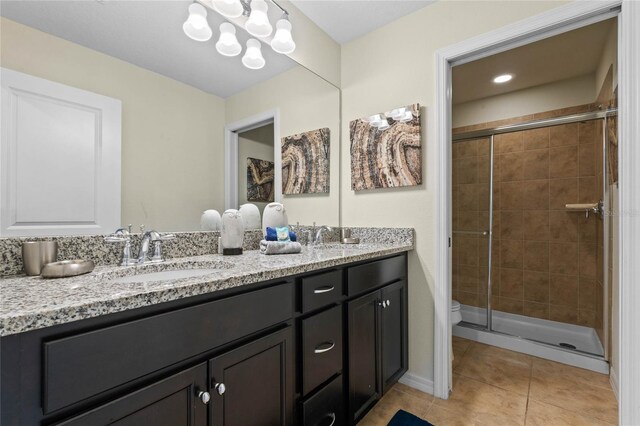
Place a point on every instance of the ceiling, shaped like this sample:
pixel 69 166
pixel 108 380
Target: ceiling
pixel 148 34
pixel 348 20
pixel 571 54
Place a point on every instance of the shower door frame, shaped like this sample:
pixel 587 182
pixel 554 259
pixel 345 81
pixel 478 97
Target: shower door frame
pixel 561 19
pixel 537 124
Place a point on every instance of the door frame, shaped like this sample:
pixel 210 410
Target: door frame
pixel 231 132
pixel 561 19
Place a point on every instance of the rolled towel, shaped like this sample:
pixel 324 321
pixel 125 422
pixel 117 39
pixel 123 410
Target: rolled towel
pixel 277 247
pixel 272 235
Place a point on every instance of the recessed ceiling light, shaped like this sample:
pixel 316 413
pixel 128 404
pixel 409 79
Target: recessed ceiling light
pixel 503 78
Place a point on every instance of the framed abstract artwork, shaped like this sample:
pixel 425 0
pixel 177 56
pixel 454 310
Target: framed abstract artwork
pixel 260 180
pixel 386 149
pixel 305 162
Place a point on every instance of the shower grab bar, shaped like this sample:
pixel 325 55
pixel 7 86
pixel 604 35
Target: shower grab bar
pixel 472 232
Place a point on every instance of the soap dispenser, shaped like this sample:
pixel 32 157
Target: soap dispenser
pixel 232 234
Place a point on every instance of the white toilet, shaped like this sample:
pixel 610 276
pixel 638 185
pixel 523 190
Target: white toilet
pixel 456 316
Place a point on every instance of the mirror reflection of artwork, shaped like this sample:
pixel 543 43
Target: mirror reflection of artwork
pixel 305 162
pixel 386 149
pixel 259 180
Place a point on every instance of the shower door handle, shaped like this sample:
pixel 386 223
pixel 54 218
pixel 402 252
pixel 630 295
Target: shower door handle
pixel 471 232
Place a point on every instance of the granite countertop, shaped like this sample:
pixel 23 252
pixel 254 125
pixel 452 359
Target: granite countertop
pixel 30 303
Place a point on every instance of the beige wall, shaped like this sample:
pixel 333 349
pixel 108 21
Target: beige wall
pixel 314 48
pixel 609 58
pixel 305 102
pixel 560 94
pixel 401 73
pixel 172 139
pixel 256 143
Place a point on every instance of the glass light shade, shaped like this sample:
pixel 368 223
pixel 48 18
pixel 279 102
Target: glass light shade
pixel 282 41
pixel 383 126
pixel 196 25
pixel 397 114
pixel 228 8
pixel 375 120
pixel 228 44
pixel 252 58
pixel 258 24
pixel 408 116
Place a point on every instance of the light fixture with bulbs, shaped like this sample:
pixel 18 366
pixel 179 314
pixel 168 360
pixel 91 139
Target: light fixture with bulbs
pixel 503 78
pixel 381 122
pixel 256 24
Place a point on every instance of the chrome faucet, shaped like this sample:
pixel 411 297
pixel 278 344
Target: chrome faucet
pixel 148 237
pixel 122 235
pixel 318 237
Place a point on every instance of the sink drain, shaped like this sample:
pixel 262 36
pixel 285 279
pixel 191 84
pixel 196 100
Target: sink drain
pixel 567 345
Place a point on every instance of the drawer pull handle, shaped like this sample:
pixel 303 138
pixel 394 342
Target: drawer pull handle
pixel 331 416
pixel 325 289
pixel 323 350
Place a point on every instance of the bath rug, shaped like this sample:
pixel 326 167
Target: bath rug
pixel 403 418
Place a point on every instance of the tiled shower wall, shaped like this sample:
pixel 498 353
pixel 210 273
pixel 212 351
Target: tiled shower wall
pixel 544 258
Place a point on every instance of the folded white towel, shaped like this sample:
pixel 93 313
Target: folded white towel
pixel 279 247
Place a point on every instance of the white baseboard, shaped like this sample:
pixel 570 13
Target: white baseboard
pixel 613 379
pixel 417 382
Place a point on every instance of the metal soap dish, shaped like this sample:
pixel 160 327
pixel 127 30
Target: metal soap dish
pixel 67 268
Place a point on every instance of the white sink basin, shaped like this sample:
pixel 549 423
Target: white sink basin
pixel 165 275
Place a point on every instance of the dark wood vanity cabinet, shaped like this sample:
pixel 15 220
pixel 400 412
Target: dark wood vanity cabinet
pixel 377 335
pixel 316 349
pixel 174 401
pixel 253 384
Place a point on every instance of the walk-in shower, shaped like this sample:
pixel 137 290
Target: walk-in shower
pixel 530 237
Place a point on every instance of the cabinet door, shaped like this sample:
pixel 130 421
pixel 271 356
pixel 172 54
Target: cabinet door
pixel 253 385
pixel 393 333
pixel 173 401
pixel 364 359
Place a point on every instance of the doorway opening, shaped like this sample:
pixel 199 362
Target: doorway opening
pixel 253 172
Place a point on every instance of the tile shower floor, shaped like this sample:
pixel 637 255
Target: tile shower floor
pixel 494 386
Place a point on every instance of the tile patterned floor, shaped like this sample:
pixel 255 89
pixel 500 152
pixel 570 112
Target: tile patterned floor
pixel 494 386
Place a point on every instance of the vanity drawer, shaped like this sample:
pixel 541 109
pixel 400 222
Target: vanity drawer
pixel 321 348
pixel 87 364
pixel 325 407
pixel 321 290
pixel 363 278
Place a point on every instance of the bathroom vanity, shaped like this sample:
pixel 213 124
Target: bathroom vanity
pixel 312 339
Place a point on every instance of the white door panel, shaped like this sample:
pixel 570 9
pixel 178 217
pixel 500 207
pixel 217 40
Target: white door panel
pixel 60 168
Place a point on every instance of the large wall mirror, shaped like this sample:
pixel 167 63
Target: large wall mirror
pixel 177 101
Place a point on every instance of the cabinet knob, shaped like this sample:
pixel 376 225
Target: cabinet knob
pixel 205 397
pixel 221 388
pixel 388 303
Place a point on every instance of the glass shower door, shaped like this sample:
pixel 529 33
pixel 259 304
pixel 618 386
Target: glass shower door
pixel 472 209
